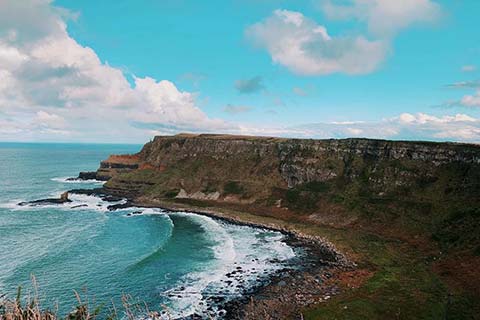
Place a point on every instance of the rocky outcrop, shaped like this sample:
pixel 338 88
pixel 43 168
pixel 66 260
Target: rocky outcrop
pixel 85 175
pixel 415 187
pixel 63 199
pixel 116 164
pixel 198 195
pixel 88 175
pixel 251 167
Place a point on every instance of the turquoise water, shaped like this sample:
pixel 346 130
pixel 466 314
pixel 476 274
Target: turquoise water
pixel 176 259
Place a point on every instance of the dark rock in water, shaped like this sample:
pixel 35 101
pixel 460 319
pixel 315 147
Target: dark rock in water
pixel 117 206
pixel 63 199
pixel 100 192
pixel 88 192
pixel 112 198
pixel 85 175
pixel 79 206
pixel 217 299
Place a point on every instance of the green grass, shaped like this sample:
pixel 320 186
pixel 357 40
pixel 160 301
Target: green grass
pixel 170 194
pixel 402 287
pixel 393 199
pixel 233 187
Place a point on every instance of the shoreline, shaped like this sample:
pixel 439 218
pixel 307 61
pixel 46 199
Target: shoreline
pixel 286 292
pixel 325 247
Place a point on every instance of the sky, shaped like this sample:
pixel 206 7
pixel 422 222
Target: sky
pixel 124 71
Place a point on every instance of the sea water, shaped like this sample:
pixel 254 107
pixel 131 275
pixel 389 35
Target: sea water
pixel 172 261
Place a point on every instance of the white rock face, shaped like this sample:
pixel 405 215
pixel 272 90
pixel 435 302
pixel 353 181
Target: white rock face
pixel 198 195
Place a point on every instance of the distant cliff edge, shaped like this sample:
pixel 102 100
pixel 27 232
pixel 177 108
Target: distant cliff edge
pixel 412 188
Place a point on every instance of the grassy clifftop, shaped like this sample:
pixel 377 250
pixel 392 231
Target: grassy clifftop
pixel 411 188
pixel 408 211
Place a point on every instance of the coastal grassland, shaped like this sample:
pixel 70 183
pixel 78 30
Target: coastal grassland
pixel 420 241
pixel 406 212
pixel 404 282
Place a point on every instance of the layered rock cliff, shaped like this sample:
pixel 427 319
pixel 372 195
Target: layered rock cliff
pixel 414 186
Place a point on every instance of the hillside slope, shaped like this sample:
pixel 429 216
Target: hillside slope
pixel 424 195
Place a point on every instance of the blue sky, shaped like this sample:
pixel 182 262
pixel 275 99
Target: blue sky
pixel 316 68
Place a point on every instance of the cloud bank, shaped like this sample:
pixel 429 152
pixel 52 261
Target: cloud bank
pixel 54 88
pixel 406 126
pixel 63 87
pixel 306 47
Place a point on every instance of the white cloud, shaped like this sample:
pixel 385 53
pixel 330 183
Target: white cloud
pixel 469 68
pixel 423 118
pixel 461 134
pixel 384 18
pixel 50 120
pixel 354 131
pixel 420 126
pixel 236 109
pixel 306 48
pixel 471 100
pixel 45 73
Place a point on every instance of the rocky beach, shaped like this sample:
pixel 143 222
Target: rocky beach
pixel 375 225
pixel 357 205
pixel 315 277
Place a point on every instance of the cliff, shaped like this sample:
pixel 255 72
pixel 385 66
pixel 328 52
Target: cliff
pixel 408 187
pixel 407 212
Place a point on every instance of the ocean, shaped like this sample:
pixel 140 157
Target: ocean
pixel 172 261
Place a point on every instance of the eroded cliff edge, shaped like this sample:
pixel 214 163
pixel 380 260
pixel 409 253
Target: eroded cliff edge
pixel 407 187
pixel 407 211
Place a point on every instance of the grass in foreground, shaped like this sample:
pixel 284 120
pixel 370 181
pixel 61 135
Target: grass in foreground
pixel 29 308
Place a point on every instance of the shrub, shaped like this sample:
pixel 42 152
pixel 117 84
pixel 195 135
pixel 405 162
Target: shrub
pixel 233 187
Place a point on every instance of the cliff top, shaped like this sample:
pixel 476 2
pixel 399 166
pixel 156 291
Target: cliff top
pixel 210 136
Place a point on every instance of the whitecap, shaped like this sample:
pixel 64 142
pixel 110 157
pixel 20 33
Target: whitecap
pixel 78 202
pixel 250 249
pixel 77 181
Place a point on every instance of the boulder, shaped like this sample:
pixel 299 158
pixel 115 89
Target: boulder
pixel 63 199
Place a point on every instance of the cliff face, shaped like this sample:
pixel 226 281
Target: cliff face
pixel 117 164
pixel 410 184
pixel 205 160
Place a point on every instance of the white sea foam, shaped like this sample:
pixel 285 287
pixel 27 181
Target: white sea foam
pixel 235 247
pixel 132 212
pixel 196 283
pixel 76 181
pixel 78 202
pixel 90 202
